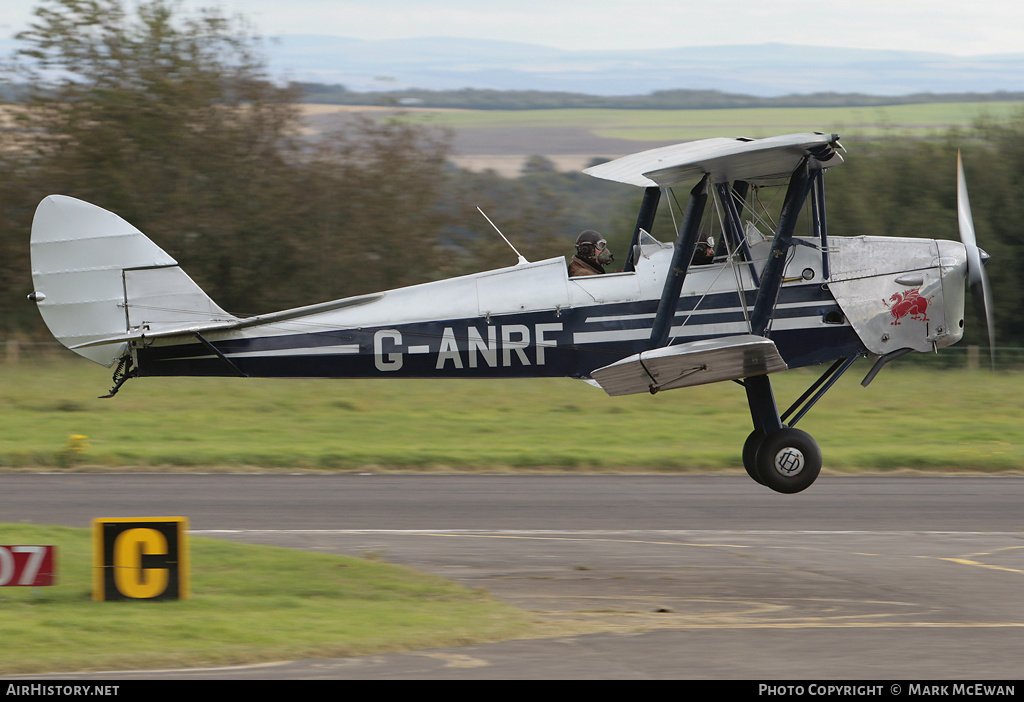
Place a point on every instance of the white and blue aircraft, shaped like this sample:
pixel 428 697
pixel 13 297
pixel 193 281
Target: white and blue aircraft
pixel 770 300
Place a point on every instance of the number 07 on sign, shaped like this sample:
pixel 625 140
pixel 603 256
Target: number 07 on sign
pixel 28 565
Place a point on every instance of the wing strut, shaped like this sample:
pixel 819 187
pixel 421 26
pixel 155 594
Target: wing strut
pixel 772 274
pixel 645 222
pixel 729 197
pixel 682 254
pixel 821 220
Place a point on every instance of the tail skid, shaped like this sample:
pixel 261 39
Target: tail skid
pixel 100 282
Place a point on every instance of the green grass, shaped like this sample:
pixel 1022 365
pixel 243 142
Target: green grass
pixel 910 417
pixel 249 604
pixel 670 125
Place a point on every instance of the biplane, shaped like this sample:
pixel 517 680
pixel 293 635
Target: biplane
pixel 773 298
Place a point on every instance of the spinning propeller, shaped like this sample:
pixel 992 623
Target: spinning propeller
pixel 976 258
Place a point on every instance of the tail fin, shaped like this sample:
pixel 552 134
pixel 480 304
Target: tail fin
pixel 100 282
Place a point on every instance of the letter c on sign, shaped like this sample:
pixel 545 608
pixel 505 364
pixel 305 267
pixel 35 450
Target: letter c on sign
pixel 131 578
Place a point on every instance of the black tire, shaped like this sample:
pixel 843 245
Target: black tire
pixel 788 460
pixel 750 447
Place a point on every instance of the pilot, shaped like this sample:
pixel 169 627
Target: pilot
pixel 592 254
pixel 703 254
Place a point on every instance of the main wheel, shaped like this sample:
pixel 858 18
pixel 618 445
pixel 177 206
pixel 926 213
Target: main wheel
pixel 788 460
pixel 750 447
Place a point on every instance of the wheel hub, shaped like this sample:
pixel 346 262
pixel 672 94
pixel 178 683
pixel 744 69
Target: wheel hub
pixel 789 461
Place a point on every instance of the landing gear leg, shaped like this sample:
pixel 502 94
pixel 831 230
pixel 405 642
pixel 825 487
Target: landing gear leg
pixel 784 459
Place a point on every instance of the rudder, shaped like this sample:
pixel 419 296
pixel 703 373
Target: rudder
pixel 97 277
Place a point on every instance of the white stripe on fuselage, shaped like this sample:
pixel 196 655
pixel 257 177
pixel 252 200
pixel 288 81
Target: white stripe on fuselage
pixel 341 350
pixel 708 310
pixel 687 331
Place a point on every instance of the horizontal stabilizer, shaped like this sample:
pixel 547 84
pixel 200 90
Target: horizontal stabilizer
pixel 694 363
pixel 150 332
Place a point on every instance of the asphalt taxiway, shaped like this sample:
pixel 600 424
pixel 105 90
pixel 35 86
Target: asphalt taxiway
pixel 915 577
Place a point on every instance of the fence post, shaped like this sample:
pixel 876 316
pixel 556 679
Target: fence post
pixel 972 357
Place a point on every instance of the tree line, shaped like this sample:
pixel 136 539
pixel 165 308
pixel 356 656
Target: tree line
pixel 485 99
pixel 171 121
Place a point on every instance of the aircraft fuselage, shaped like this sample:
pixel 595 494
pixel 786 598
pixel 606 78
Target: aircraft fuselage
pixel 576 324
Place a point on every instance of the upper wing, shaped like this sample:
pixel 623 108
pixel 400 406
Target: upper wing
pixel 758 161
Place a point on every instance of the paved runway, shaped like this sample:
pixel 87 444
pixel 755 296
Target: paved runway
pixel 677 576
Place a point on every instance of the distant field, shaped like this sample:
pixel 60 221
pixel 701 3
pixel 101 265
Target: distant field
pixel 680 125
pixel 909 418
pixel 502 140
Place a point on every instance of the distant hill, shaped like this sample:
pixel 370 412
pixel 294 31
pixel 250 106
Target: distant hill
pixel 764 70
pixel 469 73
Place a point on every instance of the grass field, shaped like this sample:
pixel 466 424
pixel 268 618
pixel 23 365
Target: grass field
pixel 909 418
pixel 681 125
pixel 249 604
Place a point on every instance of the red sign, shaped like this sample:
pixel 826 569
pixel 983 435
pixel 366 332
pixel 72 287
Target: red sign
pixel 28 565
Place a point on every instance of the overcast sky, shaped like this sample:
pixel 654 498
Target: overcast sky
pixel 947 26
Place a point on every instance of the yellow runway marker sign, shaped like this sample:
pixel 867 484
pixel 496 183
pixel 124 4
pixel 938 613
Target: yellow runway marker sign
pixel 140 558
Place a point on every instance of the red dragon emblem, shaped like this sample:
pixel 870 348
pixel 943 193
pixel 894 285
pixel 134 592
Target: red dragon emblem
pixel 911 303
